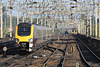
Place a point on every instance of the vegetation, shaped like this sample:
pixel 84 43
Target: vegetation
pixel 6 32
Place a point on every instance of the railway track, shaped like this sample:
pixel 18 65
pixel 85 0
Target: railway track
pixel 90 58
pixel 6 39
pixel 20 60
pixel 72 58
pixel 11 60
pixel 59 55
pixel 51 56
pixel 16 60
pixel 55 54
pixel 61 64
pixel 68 55
pixel 60 61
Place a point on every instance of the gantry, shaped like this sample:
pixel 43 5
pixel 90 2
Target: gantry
pixel 70 12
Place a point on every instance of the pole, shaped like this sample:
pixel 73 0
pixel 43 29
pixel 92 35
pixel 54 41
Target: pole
pixel 10 22
pixel 53 27
pixel 41 21
pixel 31 19
pixel 26 17
pixel 1 20
pixel 84 29
pixel 17 17
pixel 90 26
pixel 45 22
pixel 93 18
pixel 37 20
pixel 80 26
pixel 99 20
pixel 96 21
pixel 23 17
pixel 87 26
pixel 93 23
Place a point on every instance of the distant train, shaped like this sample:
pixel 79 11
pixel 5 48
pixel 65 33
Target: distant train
pixel 74 31
pixel 30 37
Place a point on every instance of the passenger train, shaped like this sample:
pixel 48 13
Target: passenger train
pixel 74 31
pixel 30 37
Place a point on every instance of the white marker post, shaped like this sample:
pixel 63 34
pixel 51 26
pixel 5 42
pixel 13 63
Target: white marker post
pixel 4 51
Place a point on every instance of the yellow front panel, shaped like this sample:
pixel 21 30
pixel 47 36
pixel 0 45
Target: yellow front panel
pixel 74 31
pixel 24 38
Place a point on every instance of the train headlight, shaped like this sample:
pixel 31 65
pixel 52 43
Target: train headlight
pixel 16 40
pixel 31 40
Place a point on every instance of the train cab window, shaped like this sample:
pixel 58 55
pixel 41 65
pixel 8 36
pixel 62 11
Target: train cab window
pixel 24 31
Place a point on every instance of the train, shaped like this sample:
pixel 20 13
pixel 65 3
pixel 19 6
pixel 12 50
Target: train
pixel 30 37
pixel 74 31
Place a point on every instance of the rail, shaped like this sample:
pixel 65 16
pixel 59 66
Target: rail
pixel 64 55
pixel 90 52
pixel 51 56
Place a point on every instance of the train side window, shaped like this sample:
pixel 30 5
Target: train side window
pixel 39 33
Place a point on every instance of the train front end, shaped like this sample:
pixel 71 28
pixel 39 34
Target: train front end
pixel 74 32
pixel 24 36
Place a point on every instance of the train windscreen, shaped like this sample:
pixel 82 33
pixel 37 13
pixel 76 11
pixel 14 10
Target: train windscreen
pixel 74 30
pixel 24 29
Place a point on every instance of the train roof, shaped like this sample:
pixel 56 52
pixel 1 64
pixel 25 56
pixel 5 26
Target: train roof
pixel 25 23
pixel 42 27
pixel 37 26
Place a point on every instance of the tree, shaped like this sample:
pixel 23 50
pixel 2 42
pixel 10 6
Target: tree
pixel 6 32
